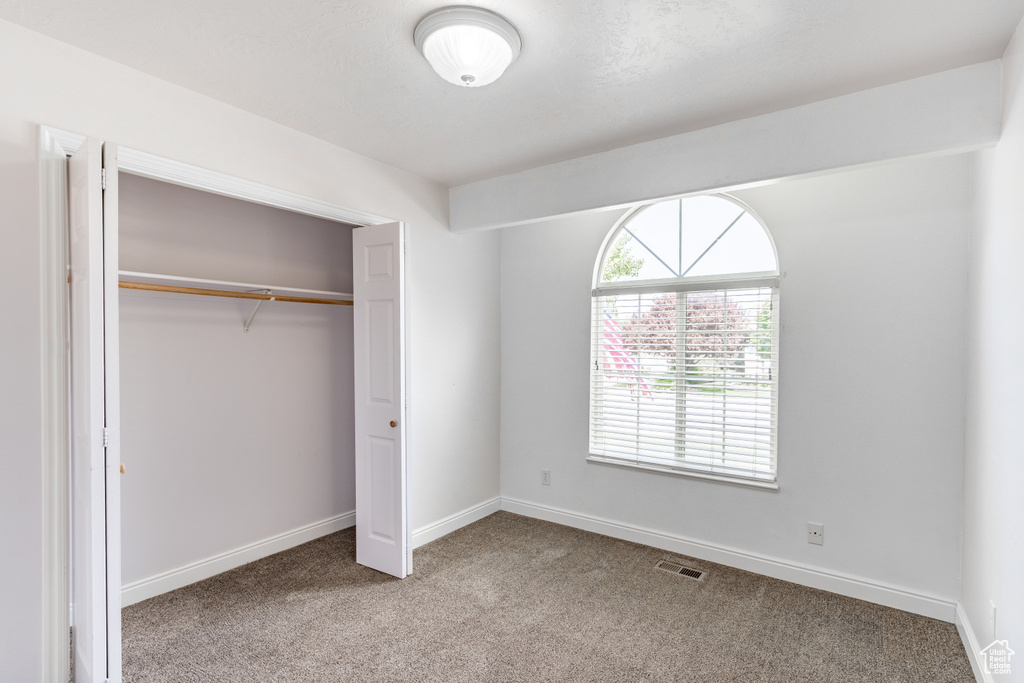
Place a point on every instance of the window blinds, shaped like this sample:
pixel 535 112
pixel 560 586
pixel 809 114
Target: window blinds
pixel 687 379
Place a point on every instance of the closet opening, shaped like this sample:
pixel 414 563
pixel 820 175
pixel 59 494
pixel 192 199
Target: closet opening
pixel 217 398
pixel 236 380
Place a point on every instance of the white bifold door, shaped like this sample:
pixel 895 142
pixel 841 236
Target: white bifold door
pixel 95 429
pixel 382 529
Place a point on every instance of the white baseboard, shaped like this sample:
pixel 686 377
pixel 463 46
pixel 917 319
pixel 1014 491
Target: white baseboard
pixel 151 586
pixel 971 644
pixel 179 577
pixel 443 527
pixel 834 582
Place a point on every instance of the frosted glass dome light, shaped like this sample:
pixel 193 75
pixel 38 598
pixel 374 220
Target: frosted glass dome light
pixel 467 46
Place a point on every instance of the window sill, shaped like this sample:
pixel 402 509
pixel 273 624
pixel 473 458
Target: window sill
pixel 678 472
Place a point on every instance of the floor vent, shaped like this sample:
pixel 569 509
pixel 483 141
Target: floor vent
pixel 674 568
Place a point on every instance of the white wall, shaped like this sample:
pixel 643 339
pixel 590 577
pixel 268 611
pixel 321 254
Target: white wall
pixel 873 299
pixel 452 282
pixel 993 555
pixel 229 437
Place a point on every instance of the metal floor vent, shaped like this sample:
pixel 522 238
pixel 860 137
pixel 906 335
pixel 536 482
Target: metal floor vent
pixel 674 568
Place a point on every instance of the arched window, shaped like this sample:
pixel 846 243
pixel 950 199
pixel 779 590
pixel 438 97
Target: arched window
pixel 684 374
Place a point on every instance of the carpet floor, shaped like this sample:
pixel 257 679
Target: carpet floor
pixel 516 599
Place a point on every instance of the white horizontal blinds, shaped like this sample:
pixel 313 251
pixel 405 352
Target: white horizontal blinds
pixel 687 379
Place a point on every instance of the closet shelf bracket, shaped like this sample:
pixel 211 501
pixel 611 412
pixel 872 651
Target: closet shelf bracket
pixel 256 309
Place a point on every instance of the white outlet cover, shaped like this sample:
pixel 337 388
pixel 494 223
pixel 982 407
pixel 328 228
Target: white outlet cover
pixel 816 533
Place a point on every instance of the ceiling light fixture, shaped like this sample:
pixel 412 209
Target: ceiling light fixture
pixel 467 46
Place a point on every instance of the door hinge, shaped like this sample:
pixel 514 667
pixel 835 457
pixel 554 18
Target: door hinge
pixel 106 437
pixel 103 178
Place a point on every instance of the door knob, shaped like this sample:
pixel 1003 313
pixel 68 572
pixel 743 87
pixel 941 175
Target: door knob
pixel 394 424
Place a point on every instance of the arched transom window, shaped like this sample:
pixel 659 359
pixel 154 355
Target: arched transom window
pixel 685 342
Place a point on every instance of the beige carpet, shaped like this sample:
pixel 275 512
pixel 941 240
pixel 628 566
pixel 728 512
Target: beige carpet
pixel 516 599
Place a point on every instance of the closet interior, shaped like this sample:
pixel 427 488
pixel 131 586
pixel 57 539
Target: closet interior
pixel 236 366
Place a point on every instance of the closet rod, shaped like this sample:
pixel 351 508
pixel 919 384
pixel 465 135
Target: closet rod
pixel 124 284
pixel 135 276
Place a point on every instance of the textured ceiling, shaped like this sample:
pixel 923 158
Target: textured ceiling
pixel 593 74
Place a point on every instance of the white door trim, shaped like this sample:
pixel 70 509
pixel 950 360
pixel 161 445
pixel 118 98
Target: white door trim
pixel 54 336
pixel 178 173
pixel 54 149
pixel 166 170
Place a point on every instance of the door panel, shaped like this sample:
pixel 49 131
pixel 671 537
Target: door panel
pixel 382 466
pixel 112 410
pixel 380 262
pixel 380 343
pixel 382 528
pixel 95 424
pixel 88 464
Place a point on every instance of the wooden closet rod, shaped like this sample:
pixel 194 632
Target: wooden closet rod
pixel 124 284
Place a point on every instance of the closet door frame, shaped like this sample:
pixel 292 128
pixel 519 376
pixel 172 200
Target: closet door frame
pixel 55 145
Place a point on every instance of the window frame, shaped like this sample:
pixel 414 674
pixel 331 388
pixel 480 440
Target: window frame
pixel 759 279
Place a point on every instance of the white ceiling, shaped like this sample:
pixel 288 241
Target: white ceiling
pixel 593 74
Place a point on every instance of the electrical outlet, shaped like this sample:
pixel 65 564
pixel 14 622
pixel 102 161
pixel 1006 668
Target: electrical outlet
pixel 815 533
pixel 545 477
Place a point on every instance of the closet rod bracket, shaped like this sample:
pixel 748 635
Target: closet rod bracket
pixel 256 309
